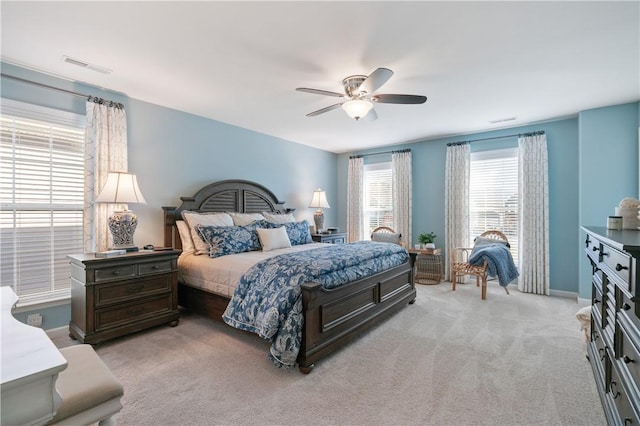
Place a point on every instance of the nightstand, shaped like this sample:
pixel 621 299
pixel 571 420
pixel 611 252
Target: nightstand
pixel 112 297
pixel 330 238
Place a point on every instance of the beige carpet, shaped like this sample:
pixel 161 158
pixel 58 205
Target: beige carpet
pixel 449 359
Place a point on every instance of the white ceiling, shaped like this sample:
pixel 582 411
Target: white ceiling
pixel 240 62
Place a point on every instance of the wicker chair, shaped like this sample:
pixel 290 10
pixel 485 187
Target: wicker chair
pixel 460 263
pixel 386 235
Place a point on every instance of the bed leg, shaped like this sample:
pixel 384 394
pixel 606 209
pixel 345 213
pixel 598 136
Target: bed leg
pixel 305 369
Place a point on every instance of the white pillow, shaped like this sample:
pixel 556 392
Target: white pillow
pixel 185 236
pixel 279 217
pixel 242 219
pixel 204 219
pixel 273 238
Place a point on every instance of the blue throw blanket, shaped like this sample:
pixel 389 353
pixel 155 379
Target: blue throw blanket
pixel 499 261
pixel 268 298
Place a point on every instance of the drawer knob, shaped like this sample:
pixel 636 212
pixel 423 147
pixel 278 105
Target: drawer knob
pixel 619 267
pixel 595 301
pixel 116 272
pixel 595 248
pixel 604 253
pixel 155 267
pixel 635 299
pixel 626 306
pixel 627 360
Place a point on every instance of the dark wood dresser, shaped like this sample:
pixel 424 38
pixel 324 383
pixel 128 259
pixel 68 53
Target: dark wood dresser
pixel 614 350
pixel 111 297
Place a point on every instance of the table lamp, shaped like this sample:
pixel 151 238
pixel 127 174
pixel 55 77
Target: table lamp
pixel 319 201
pixel 122 188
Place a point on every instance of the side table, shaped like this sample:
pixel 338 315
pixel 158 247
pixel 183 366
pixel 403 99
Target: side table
pixel 338 238
pixel 428 265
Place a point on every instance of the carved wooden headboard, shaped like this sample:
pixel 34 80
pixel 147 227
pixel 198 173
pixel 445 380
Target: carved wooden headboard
pixel 233 195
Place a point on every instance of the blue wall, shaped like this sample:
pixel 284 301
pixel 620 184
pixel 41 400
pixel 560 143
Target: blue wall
pixel 174 154
pixel 608 159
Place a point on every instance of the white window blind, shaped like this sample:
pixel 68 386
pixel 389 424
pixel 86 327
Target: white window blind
pixel 41 198
pixel 493 194
pixel 378 207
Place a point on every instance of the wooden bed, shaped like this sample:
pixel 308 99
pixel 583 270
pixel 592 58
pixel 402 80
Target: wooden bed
pixel 332 318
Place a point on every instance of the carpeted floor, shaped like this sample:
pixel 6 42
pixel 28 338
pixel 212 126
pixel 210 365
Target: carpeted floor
pixel 449 359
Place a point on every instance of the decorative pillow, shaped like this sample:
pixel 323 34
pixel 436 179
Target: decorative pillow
pixel 481 241
pixel 223 240
pixel 185 236
pixel 279 217
pixel 386 237
pixel 274 238
pixel 298 232
pixel 206 219
pixel 242 219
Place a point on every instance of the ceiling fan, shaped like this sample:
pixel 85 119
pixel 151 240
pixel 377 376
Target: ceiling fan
pixel 358 92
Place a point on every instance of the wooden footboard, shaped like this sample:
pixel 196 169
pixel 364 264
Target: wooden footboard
pixel 333 318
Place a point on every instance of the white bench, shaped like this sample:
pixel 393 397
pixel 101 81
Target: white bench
pixel 90 392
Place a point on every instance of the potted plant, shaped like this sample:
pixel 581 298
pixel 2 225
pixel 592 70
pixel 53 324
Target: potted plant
pixel 426 239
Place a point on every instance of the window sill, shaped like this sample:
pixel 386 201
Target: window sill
pixel 41 304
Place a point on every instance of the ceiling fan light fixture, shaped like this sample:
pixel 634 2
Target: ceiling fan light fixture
pixel 357 108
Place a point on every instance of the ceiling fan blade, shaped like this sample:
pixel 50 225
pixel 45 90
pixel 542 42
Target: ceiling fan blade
pixel 320 92
pixel 399 99
pixel 375 80
pixel 371 115
pixel 323 110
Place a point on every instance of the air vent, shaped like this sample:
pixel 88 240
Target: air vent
pixel 87 65
pixel 502 120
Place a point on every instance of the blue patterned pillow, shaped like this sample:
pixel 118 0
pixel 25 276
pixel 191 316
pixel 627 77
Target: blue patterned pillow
pixel 298 232
pixel 223 240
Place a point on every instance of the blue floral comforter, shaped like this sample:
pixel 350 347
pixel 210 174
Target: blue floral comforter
pixel 268 300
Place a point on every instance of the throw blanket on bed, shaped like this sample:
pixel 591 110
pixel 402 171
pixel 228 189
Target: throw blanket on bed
pixel 499 262
pixel 268 298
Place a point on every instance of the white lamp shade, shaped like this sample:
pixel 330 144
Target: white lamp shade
pixel 319 200
pixel 357 108
pixel 122 188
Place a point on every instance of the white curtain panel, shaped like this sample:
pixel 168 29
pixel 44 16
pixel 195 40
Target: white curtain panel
pixel 533 189
pixel 355 198
pixel 456 208
pixel 105 151
pixel 401 194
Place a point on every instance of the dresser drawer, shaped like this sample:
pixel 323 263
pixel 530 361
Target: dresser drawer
pixel 122 292
pixel 621 399
pixel 592 248
pixel 115 273
pixel 619 263
pixel 628 355
pixel 122 314
pixel 149 268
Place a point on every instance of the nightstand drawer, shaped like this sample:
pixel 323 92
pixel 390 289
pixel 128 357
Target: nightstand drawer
pixel 119 315
pixel 115 273
pixel 155 267
pixel 113 293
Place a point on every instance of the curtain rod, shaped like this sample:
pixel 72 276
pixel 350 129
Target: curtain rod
pixel 380 153
pixel 536 133
pixel 82 95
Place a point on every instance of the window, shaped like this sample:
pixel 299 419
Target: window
pixel 493 194
pixel 378 206
pixel 41 199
